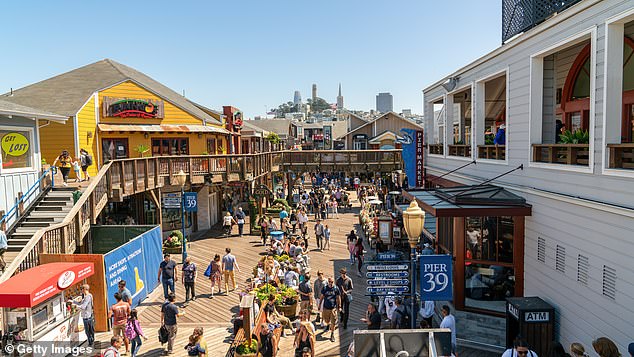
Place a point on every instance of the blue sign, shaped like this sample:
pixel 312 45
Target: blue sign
pixel 435 277
pixel 388 282
pixel 137 263
pixel 387 274
pixel 191 201
pixel 389 256
pixel 387 289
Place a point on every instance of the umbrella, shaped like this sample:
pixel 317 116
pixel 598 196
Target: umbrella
pixel 376 202
pixel 394 192
pixel 372 198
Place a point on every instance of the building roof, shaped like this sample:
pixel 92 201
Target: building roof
pixel 8 108
pixel 279 126
pixel 66 94
pixel 376 119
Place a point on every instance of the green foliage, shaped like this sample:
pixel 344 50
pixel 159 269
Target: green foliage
pixel 174 240
pixel 488 139
pixel 142 149
pixel 286 108
pixel 263 292
pixel 244 348
pixel 282 258
pixel 318 105
pixel 578 137
pixel 273 138
pixel 284 295
pixel 283 202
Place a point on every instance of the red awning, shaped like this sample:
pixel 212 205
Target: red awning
pixel 31 287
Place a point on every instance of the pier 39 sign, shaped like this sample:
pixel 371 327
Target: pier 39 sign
pixel 435 277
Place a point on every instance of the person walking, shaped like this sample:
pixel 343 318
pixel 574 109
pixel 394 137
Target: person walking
pixel 77 170
pixel 352 241
pixel 358 253
pixel 332 305
pixel 119 313
pixel 85 159
pixel 134 332
pixel 216 275
pixel 520 348
pixel 345 286
pixel 293 220
pixel 126 295
pixel 305 293
pixel 305 339
pixel 240 219
pixel 169 315
pixel 86 307
pixel 326 237
pixel 372 318
pixel 113 350
pixel 427 312
pixel 64 160
pixel 167 274
pixel 189 280
pixel 449 321
pixel 263 223
pixel 227 223
pixel 229 263
pixel 319 285
pixel 319 234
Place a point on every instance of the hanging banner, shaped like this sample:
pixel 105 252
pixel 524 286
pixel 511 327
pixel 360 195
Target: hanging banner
pixel 413 146
pixel 435 277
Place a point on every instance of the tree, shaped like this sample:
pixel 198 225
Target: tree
pixel 273 138
pixel 319 104
pixel 285 108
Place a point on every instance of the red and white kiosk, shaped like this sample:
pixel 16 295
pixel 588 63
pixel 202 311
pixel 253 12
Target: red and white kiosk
pixel 34 303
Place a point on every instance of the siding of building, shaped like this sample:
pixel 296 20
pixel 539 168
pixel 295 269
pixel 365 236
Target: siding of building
pixel 586 213
pixel 56 138
pixel 388 122
pixel 86 123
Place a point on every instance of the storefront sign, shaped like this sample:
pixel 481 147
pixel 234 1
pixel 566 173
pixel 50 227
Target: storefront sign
pixel 385 278
pixel 15 144
pixel 412 144
pixel 66 279
pixel 435 277
pixel 237 120
pixel 191 201
pixel 172 200
pixel 387 275
pixel 513 311
pixel 387 289
pixel 419 158
pixel 132 108
pixel 388 282
pixel 387 267
pixel 537 316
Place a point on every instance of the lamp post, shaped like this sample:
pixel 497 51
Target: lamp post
pixel 413 220
pixel 181 179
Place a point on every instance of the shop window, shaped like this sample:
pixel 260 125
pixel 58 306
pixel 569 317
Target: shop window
pixel 114 149
pixel 461 121
pixel 17 152
pixel 489 239
pixel 170 146
pixel 488 285
pixel 627 127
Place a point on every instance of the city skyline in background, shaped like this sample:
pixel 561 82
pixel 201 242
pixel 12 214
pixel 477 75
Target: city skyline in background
pixel 254 55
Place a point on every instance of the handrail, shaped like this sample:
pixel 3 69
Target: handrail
pixel 25 197
pixel 37 237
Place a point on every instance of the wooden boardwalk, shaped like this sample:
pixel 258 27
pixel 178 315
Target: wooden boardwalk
pixel 215 315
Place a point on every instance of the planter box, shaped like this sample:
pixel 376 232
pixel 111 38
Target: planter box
pixel 287 310
pixel 173 250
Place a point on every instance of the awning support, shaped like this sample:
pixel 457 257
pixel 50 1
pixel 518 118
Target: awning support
pixel 452 171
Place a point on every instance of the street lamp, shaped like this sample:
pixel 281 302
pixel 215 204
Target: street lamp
pixel 413 220
pixel 181 179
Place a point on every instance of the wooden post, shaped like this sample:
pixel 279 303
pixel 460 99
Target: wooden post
pixel 170 171
pixel 62 240
pixel 135 176
pixel 122 177
pixel 552 154
pixel 146 179
pixel 459 267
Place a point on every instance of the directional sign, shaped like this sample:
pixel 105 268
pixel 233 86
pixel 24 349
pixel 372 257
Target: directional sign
pixel 387 289
pixel 388 274
pixel 435 277
pixel 390 282
pixel 172 200
pixel 191 201
pixel 388 267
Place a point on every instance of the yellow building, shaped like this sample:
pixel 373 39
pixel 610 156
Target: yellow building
pixel 117 112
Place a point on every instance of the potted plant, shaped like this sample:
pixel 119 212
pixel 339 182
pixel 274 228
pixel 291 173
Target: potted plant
pixel 142 149
pixel 286 301
pixel 247 349
pixel 173 243
pixel 577 137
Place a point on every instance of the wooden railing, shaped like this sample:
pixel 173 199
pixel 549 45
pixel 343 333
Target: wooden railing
pixel 566 154
pixel 621 156
pixel 341 157
pixel 492 152
pixel 459 150
pixel 436 149
pixel 66 236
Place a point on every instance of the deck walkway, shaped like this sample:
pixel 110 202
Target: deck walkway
pixel 215 315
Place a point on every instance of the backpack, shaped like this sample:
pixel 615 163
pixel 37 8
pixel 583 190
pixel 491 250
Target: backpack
pixel 130 330
pixel 88 160
pixel 109 349
pixel 163 334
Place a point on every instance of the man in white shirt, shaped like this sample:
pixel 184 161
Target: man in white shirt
pixel 427 312
pixel 449 321
pixel 520 349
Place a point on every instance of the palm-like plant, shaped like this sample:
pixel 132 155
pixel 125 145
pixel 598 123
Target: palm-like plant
pixel 577 137
pixel 142 149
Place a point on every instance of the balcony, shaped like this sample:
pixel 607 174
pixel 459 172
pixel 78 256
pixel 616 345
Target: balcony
pixel 621 156
pixel 565 154
pixel 492 152
pixel 460 150
pixel 521 15
pixel 436 149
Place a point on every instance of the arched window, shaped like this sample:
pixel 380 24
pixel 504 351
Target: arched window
pixel 627 126
pixel 575 103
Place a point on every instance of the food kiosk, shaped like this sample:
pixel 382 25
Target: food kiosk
pixel 35 305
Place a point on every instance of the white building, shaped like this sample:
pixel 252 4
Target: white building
pixel 574 70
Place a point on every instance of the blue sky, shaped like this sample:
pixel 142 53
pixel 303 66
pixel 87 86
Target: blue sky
pixel 255 54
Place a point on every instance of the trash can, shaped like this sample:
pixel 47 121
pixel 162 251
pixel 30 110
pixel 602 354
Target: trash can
pixel 533 319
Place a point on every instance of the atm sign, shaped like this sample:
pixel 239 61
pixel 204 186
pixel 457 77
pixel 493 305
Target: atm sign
pixel 538 316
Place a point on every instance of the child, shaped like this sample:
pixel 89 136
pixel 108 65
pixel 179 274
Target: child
pixel 193 347
pixel 77 169
pixel 327 237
